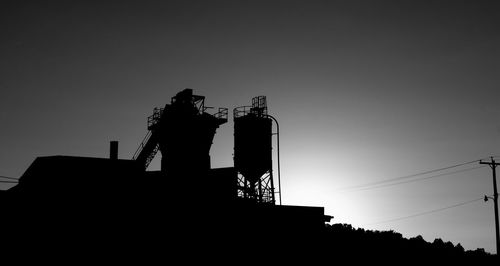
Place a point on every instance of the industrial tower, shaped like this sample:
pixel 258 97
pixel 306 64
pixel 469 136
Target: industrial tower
pixel 183 132
pixel 253 152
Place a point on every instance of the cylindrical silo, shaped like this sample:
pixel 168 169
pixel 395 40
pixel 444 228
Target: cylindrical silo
pixel 253 150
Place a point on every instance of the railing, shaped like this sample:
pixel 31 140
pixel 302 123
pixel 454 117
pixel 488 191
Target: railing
pixel 245 110
pixel 241 111
pixel 146 158
pixel 141 146
pixel 221 114
pixel 155 117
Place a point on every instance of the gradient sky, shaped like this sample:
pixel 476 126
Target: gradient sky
pixel 363 91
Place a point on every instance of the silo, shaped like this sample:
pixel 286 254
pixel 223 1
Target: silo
pixel 253 151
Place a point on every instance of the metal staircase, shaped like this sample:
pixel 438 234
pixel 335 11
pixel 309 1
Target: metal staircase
pixel 147 149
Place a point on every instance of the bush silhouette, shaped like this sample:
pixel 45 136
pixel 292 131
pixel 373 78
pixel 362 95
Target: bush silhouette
pixel 348 242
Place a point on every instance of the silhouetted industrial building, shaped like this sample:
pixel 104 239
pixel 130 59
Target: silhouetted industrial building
pixel 186 193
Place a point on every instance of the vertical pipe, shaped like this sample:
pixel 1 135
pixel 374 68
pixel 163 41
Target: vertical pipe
pixel 278 144
pixel 113 150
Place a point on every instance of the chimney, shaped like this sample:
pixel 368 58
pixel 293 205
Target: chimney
pixel 113 150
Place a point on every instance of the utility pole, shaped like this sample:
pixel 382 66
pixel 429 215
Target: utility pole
pixel 493 166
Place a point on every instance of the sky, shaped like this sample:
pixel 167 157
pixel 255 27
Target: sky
pixel 364 91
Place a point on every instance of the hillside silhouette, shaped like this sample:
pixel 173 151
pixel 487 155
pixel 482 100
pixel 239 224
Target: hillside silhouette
pixel 392 246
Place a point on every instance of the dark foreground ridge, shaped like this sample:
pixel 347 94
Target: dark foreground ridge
pixel 392 246
pixel 114 208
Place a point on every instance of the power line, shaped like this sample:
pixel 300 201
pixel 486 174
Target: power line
pixel 417 180
pixel 11 178
pixel 427 212
pixel 8 182
pixel 408 176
